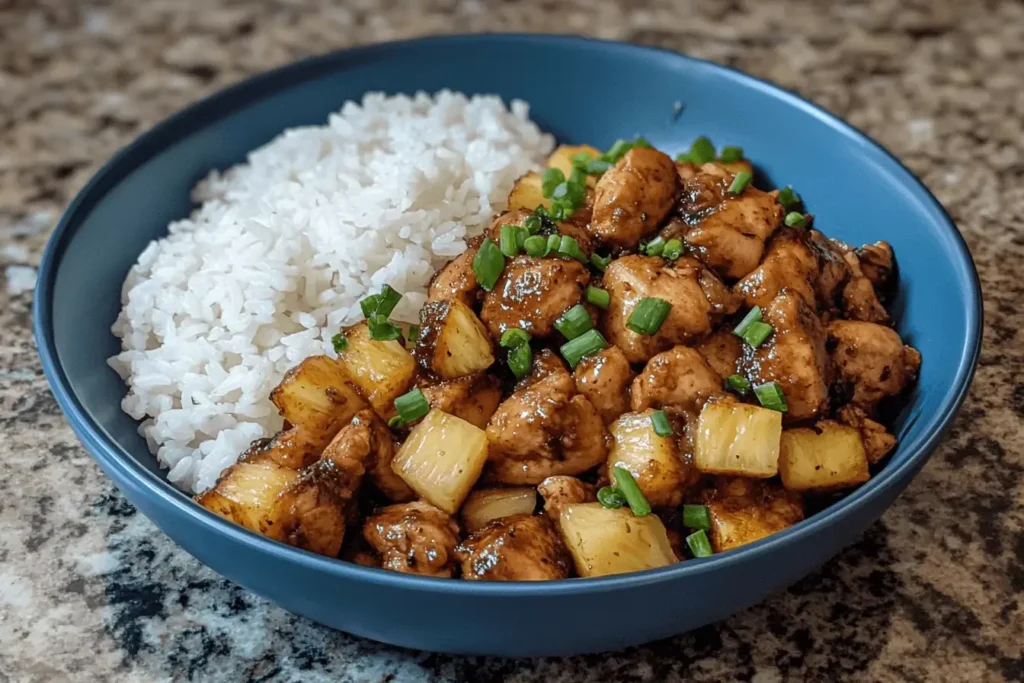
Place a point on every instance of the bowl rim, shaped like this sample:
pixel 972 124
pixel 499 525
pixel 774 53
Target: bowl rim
pixel 120 463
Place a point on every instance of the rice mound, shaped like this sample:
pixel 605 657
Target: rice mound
pixel 282 248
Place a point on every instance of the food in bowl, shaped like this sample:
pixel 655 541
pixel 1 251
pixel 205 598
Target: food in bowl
pixel 637 345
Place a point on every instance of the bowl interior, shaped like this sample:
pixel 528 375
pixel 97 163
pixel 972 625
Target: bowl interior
pixel 582 91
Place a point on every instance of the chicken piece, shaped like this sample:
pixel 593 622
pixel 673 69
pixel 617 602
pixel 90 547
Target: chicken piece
pixel 560 491
pixel 794 356
pixel 532 293
pixel 678 380
pixel 872 361
pixel 544 428
pixel 746 510
pixel 722 351
pixel 727 233
pixel 367 439
pixel 571 228
pixel 877 263
pixel 633 197
pixel 474 398
pixel 859 299
pixel 604 379
pixel 878 442
pixel 413 538
pixel 456 280
pixel 516 548
pixel 698 299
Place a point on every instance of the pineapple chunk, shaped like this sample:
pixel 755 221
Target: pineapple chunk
pixel 605 541
pixel 527 194
pixel 486 505
pixel 561 159
pixel 383 370
pixel 745 510
pixel 828 457
pixel 441 459
pixel 735 438
pixel 651 459
pixel 453 342
pixel 318 398
pixel 245 494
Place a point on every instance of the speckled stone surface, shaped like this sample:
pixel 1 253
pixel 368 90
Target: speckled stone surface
pixel 91 591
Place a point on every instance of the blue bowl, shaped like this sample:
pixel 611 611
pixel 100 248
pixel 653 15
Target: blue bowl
pixel 580 90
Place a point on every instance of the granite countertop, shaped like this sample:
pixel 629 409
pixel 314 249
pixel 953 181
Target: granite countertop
pixel 91 591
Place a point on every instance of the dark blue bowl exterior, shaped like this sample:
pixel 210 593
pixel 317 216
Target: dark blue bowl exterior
pixel 581 90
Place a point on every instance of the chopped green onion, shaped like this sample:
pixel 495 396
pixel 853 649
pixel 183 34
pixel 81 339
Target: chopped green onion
pixel 412 405
pixel 756 333
pixel 642 143
pixel 683 157
pixel 617 151
pixel 577 349
pixel 795 219
pixel 536 246
pixel 610 497
pixel 396 422
pixel 659 420
pixel 699 544
pixel 508 241
pixel 597 166
pixel 634 496
pixel 752 316
pixel 648 315
pixel 581 158
pixel 788 198
pixel 655 247
pixel 578 177
pixel 673 249
pixel 569 247
pixel 696 517
pixel 739 183
pixel 532 224
pixel 701 151
pixel 520 359
pixel 513 337
pixel 574 322
pixel 731 154
pixel 488 264
pixel 339 342
pixel 382 330
pixel 561 190
pixel 770 396
pixel 737 383
pixel 550 181
pixel 414 333
pixel 597 296
pixel 554 241
pixel 600 262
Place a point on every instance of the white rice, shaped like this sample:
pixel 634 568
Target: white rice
pixel 283 247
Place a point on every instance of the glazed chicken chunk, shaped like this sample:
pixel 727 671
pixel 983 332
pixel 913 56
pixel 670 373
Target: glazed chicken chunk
pixel 532 293
pixel 698 300
pixel 544 428
pixel 413 538
pixel 367 439
pixel 800 261
pixel 872 361
pixel 456 280
pixel 859 298
pixel 727 233
pixel 604 379
pixel 560 491
pixel 678 380
pixel 517 548
pixel 633 197
pixel 746 510
pixel 722 351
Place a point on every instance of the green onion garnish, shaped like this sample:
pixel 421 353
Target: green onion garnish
pixel 610 497
pixel 488 264
pixel 752 316
pixel 617 151
pixel 737 383
pixel 731 154
pixel 380 304
pixel 532 224
pixel 570 248
pixel 580 158
pixel 659 420
pixel 795 219
pixel 382 330
pixel 575 350
pixel 412 406
pixel 648 315
pixel 597 296
pixel 578 177
pixel 536 246
pixel 696 517
pixel 508 241
pixel 634 496
pixel 413 336
pixel 756 333
pixel 396 422
pixel 513 337
pixel 597 166
pixel 699 544
pixel 339 342
pixel 701 151
pixel 770 396
pixel 788 198
pixel 642 143
pixel 550 181
pixel 574 322
pixel 600 262
pixel 520 359
pixel 554 241
pixel 739 183
pixel 655 247
pixel 673 249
